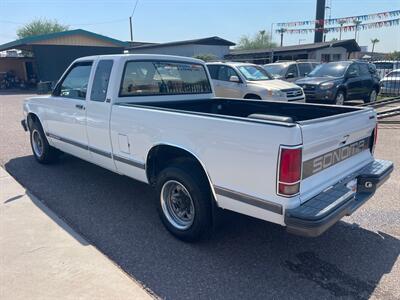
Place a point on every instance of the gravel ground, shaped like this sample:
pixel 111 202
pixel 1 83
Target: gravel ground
pixel 245 258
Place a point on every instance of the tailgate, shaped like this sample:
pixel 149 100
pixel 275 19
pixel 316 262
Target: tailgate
pixel 333 148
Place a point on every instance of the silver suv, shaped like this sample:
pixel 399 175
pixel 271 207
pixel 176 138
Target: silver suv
pixel 290 70
pixel 250 81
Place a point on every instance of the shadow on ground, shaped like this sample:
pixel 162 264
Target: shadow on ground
pixel 244 259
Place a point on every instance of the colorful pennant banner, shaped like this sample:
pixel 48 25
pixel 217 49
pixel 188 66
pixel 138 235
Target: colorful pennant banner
pixel 346 20
pixel 346 28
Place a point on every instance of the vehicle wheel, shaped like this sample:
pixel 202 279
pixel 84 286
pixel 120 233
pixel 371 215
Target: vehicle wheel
pixel 372 97
pixel 41 149
pixel 184 201
pixel 340 98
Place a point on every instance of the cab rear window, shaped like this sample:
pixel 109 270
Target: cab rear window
pixel 145 78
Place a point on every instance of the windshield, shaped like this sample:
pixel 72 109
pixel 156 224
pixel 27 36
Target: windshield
pixel 329 70
pixel 254 73
pixel 276 70
pixel 393 74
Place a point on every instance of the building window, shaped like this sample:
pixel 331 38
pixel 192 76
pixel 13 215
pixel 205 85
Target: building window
pixel 325 58
pixel 336 57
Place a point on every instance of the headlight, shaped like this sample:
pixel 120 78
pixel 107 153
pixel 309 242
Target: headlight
pixel 276 93
pixel 326 85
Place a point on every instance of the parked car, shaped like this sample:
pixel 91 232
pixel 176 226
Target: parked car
pixel 290 70
pixel 337 82
pixel 390 84
pixel 249 81
pixel 154 118
pixel 384 67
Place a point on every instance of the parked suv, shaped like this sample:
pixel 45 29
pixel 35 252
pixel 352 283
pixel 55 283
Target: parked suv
pixel 249 81
pixel 336 82
pixel 290 70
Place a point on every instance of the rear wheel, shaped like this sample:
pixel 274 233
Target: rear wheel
pixel 340 98
pixel 184 201
pixel 41 149
pixel 372 97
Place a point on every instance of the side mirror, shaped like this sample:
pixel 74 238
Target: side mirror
pixel 290 75
pixel 234 78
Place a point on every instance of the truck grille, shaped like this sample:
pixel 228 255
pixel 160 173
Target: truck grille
pixel 309 90
pixel 293 93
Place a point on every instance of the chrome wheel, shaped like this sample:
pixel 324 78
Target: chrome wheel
pixel 177 204
pixel 373 96
pixel 340 99
pixel 37 143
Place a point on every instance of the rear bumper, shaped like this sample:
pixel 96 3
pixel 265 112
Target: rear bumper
pixel 315 216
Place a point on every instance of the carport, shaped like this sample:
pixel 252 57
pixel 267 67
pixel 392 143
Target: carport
pixel 45 57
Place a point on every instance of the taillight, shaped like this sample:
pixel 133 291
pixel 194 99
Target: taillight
pixel 374 138
pixel 289 171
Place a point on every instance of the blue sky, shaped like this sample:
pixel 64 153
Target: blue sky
pixel 171 20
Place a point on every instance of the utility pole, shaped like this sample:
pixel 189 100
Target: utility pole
pixel 130 19
pixel 319 21
pixel 130 27
pixel 282 31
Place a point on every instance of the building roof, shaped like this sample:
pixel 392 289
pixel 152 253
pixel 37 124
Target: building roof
pixel 214 40
pixel 350 45
pixel 36 39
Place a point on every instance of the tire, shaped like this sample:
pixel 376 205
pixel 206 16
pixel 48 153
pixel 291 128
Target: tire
pixel 340 98
pixel 42 151
pixel 185 201
pixel 372 96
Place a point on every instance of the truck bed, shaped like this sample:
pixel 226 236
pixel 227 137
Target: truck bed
pixel 253 109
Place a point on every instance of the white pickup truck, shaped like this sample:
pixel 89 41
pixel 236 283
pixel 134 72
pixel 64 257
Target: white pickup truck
pixel 155 119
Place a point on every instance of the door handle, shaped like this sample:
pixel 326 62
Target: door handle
pixel 80 106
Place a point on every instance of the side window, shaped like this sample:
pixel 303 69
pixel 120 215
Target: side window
pixel 304 68
pixel 364 70
pixel 75 83
pixel 213 70
pixel 353 69
pixel 100 81
pixel 145 78
pixel 292 69
pixel 225 73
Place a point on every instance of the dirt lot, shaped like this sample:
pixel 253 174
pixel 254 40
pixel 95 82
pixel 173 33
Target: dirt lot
pixel 245 259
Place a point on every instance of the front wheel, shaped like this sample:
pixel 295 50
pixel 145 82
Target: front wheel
pixel 184 202
pixel 41 149
pixel 340 98
pixel 372 97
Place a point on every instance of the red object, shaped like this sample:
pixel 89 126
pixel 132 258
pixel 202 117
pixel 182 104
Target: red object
pixel 289 171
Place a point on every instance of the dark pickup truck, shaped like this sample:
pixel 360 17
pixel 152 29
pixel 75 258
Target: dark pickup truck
pixel 337 82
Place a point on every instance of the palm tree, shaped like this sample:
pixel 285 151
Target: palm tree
pixel 357 23
pixel 374 41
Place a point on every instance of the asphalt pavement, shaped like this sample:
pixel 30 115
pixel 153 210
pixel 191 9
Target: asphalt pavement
pixel 244 259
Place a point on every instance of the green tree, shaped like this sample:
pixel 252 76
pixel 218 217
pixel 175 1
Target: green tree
pixel 395 55
pixel 261 40
pixel 206 57
pixel 40 26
